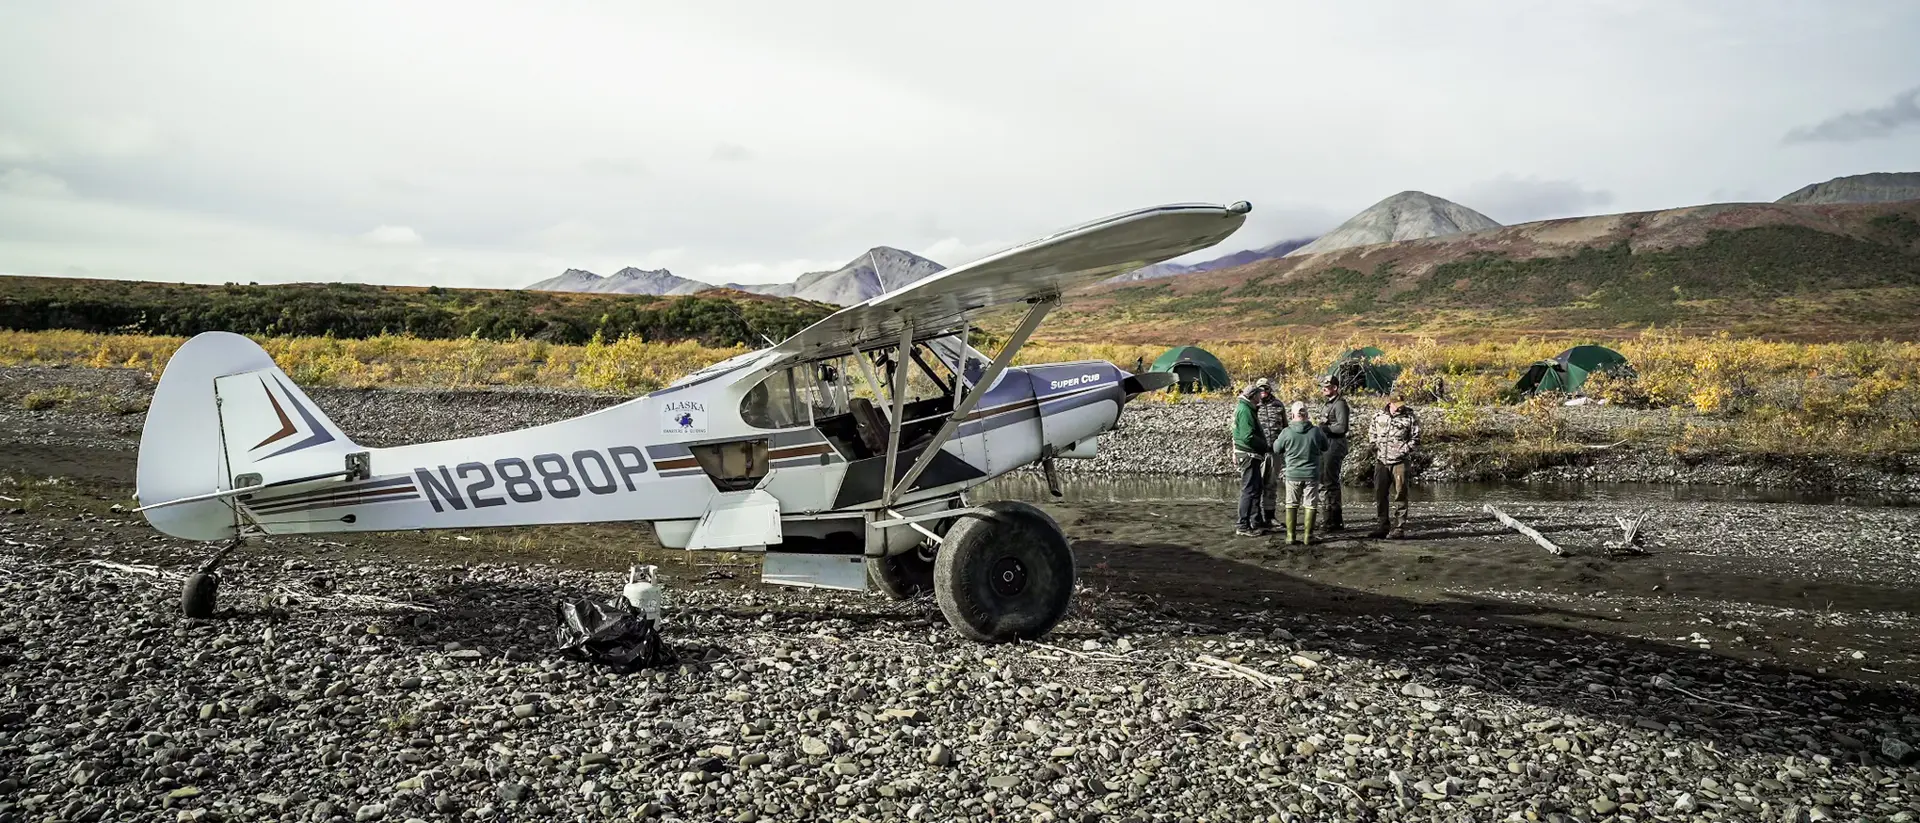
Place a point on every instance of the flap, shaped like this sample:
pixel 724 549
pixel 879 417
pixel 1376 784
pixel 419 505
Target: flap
pixel 740 519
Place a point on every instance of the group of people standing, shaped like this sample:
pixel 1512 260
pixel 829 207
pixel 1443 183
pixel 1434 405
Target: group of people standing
pixel 1277 445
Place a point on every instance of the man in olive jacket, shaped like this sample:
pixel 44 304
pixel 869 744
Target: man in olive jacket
pixel 1250 447
pixel 1300 444
pixel 1334 420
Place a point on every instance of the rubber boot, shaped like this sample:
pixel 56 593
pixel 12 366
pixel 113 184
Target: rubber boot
pixel 1306 531
pixel 1290 513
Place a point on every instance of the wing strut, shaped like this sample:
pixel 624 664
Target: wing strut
pixel 1035 314
pixel 900 360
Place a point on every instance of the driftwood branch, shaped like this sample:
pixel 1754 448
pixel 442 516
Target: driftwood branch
pixel 148 571
pixel 1242 672
pixel 1523 528
pixel 1629 534
pixel 358 602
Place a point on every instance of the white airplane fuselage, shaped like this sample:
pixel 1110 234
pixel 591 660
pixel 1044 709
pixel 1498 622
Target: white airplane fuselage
pixel 641 460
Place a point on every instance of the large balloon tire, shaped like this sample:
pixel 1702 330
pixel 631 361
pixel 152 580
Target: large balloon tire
pixel 200 596
pixel 902 576
pixel 1006 574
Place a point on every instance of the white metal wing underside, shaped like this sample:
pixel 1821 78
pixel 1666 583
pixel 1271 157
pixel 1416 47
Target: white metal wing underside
pixel 1043 268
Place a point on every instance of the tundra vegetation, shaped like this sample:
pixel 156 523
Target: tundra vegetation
pixel 1717 394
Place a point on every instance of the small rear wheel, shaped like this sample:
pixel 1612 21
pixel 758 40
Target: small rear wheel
pixel 1004 575
pixel 199 596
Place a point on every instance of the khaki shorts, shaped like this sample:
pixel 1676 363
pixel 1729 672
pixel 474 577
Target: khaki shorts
pixel 1303 493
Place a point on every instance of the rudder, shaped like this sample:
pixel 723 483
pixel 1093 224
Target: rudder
pixel 223 410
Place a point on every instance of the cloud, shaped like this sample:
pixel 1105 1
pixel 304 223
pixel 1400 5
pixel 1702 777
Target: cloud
pixel 952 251
pixel 614 167
pixel 724 152
pixel 32 183
pixel 393 236
pixel 570 235
pixel 523 146
pixel 1862 124
pixel 1510 199
pixel 780 272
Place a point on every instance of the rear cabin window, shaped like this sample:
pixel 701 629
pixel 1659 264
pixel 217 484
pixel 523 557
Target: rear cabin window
pixel 777 402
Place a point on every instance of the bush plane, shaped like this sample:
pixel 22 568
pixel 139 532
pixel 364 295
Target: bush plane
pixel 773 451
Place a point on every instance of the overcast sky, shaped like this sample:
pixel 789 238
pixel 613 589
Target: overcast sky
pixel 478 143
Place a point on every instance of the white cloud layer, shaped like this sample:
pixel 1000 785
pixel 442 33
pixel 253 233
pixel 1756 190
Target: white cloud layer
pixel 495 143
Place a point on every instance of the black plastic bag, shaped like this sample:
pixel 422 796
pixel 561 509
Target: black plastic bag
pixel 612 634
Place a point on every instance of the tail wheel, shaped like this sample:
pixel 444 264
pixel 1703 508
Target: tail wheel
pixel 199 596
pixel 1004 575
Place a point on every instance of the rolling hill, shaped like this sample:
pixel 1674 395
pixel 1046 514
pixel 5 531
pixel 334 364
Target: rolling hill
pixel 1781 271
pixel 351 310
pixel 1877 187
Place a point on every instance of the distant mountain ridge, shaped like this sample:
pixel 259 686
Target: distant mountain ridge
pixel 1875 187
pixel 629 280
pixel 1239 258
pixel 879 270
pixel 1409 215
pixel 1821 272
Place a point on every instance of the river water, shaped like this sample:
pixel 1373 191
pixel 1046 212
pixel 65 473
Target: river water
pixel 1080 488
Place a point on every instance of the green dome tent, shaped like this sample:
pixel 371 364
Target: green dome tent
pixel 1356 370
pixel 1569 370
pixel 1196 368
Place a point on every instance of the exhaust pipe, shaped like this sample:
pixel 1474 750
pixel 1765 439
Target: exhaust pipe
pixel 1145 382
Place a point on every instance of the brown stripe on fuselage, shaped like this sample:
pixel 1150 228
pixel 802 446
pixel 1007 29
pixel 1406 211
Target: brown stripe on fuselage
pixel 338 488
pixel 383 496
pixel 273 506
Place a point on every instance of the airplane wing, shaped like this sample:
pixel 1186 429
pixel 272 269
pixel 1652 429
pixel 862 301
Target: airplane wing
pixel 1047 267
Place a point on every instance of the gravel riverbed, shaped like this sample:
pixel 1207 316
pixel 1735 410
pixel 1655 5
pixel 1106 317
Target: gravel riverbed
pixel 1755 664
pixel 832 706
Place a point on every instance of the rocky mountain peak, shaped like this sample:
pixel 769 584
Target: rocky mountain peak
pixel 1408 215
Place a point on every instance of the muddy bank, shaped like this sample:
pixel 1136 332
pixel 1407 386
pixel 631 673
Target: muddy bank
pixel 1602 444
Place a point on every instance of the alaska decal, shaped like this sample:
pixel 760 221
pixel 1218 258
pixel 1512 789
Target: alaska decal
pixel 320 434
pixel 683 417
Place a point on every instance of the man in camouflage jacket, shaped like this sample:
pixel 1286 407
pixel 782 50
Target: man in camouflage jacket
pixel 1272 417
pixel 1395 435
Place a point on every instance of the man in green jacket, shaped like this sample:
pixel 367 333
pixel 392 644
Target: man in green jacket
pixel 1301 443
pixel 1250 447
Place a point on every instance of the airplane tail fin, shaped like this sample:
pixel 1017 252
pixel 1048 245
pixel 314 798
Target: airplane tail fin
pixel 224 416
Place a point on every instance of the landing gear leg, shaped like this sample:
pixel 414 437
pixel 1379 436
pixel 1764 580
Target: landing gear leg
pixel 201 594
pixel 1004 574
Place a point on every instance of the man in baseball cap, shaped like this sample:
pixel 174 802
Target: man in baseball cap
pixel 1335 417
